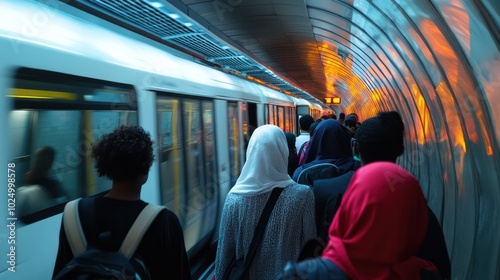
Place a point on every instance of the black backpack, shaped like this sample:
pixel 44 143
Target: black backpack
pixel 95 263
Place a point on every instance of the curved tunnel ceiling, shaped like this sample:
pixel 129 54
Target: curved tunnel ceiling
pixel 437 62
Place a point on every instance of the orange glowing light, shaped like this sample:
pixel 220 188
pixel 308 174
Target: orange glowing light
pixel 452 117
pixel 457 17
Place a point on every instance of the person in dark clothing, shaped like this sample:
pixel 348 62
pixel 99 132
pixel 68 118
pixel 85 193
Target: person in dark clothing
pixel 380 139
pixel 330 143
pixel 350 122
pixel 303 149
pixel 305 123
pixel 293 158
pixel 327 194
pixel 342 118
pixel 125 156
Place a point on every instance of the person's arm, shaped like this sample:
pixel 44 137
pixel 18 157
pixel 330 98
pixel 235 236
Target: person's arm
pixel 177 262
pixel 433 247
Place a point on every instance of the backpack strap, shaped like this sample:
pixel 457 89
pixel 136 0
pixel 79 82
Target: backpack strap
pixel 78 242
pixel 73 228
pixel 139 228
pixel 301 149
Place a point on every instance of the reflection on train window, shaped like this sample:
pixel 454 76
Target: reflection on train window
pixel 234 143
pixel 244 121
pixel 281 118
pixel 195 169
pixel 272 118
pixel 171 155
pixel 245 118
pixel 288 120
pixel 187 164
pixel 54 122
pixel 209 196
pixel 266 114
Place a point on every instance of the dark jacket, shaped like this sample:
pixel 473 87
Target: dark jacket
pixel 330 143
pixel 161 249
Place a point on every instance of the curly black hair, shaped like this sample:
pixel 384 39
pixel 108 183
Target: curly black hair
pixel 123 154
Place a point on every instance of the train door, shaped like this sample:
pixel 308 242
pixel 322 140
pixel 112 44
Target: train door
pixel 301 111
pixel 188 173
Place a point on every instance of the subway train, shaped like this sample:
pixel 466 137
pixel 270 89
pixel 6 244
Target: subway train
pixel 67 78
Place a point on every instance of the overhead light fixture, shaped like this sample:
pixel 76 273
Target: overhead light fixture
pixel 156 4
pixel 174 16
pixel 333 100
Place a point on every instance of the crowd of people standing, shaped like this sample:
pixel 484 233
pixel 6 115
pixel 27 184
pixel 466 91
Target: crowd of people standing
pixel 358 216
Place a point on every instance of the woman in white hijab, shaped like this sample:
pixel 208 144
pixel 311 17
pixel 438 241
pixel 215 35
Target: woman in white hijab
pixel 291 223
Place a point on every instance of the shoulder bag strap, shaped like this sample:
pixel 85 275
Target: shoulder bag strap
pixel 301 149
pixel 139 228
pixel 261 226
pixel 73 228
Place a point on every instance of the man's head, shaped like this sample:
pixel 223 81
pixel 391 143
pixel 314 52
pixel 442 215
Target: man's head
pixel 305 122
pixel 124 154
pixel 342 116
pixel 380 138
pixel 350 122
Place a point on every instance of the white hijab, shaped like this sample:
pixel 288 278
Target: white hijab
pixel 267 162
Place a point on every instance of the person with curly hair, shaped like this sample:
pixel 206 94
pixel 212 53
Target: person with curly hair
pixel 125 157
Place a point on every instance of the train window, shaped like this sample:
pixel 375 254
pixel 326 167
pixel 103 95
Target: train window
pixel 281 118
pixel 272 118
pixel 208 197
pixel 245 123
pixel 291 120
pixel 234 142
pixel 170 145
pixel 244 120
pixel 288 120
pixel 54 124
pixel 266 114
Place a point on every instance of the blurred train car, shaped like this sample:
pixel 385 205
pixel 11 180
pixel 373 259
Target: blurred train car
pixel 67 81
